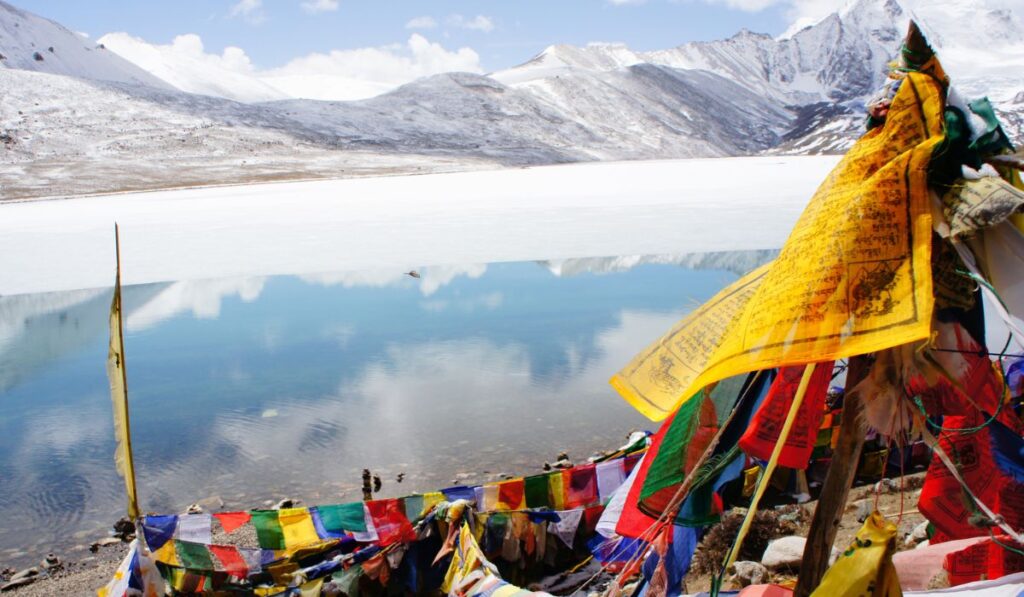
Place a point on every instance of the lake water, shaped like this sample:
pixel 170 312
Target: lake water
pixel 257 389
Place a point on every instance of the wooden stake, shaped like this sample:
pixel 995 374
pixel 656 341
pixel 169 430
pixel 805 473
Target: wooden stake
pixel 838 481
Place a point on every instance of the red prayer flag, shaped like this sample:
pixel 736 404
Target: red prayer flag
pixel 942 500
pixel 762 435
pixel 580 486
pixel 232 520
pixel 512 494
pixel 591 516
pixel 983 560
pixel 231 560
pixel 390 521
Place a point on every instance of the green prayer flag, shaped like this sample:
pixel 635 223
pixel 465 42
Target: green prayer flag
pixel 344 517
pixel 413 505
pixel 268 529
pixel 537 491
pixel 194 556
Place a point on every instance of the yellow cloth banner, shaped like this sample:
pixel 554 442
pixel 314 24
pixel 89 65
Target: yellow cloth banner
pixel 854 276
pixel 297 527
pixel 865 568
pixel 119 396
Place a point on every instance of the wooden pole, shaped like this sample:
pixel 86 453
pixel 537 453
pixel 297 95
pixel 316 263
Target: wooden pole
pixel 838 481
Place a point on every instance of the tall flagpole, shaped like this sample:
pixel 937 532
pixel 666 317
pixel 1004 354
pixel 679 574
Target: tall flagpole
pixel 117 373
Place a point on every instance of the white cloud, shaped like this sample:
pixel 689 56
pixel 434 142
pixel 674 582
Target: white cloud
pixel 338 75
pixel 477 23
pixel 318 6
pixel 185 64
pixel 424 22
pixel 625 2
pixel 365 72
pixel 250 10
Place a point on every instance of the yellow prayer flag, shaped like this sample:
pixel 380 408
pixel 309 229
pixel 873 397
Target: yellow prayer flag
pixel 119 392
pixel 430 500
pixel 297 527
pixel 865 568
pixel 854 276
pixel 556 490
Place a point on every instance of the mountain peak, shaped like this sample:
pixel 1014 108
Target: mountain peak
pixel 30 42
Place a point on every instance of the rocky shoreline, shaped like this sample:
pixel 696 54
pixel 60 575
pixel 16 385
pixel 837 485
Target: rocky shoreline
pixel 781 530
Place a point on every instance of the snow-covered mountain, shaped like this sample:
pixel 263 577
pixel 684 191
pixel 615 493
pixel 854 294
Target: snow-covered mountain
pixel 30 42
pixel 803 92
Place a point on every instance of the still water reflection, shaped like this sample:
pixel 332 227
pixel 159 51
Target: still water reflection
pixel 257 389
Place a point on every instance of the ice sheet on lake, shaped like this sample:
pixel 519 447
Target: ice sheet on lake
pixel 543 213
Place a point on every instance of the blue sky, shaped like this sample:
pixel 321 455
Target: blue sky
pixel 502 32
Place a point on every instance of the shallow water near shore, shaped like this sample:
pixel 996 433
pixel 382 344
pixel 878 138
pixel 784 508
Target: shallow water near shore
pixel 257 389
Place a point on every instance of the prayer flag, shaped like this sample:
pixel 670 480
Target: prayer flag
pixel 565 528
pixel 854 277
pixel 580 486
pixel 158 530
pixel 297 526
pixel 343 517
pixel 195 528
pixel 118 377
pixel 763 432
pixel 556 490
pixel 231 560
pixel 230 521
pixel 390 522
pixel 536 490
pixel 511 494
pixel 195 556
pixel 610 475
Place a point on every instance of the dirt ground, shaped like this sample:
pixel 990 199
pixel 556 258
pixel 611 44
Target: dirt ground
pixel 898 506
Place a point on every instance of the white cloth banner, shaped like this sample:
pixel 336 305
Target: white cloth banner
pixel 195 528
pixel 610 518
pixel 566 527
pixel 610 475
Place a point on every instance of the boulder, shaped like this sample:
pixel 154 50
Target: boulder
pixel 787 553
pixel 750 573
pixel 919 534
